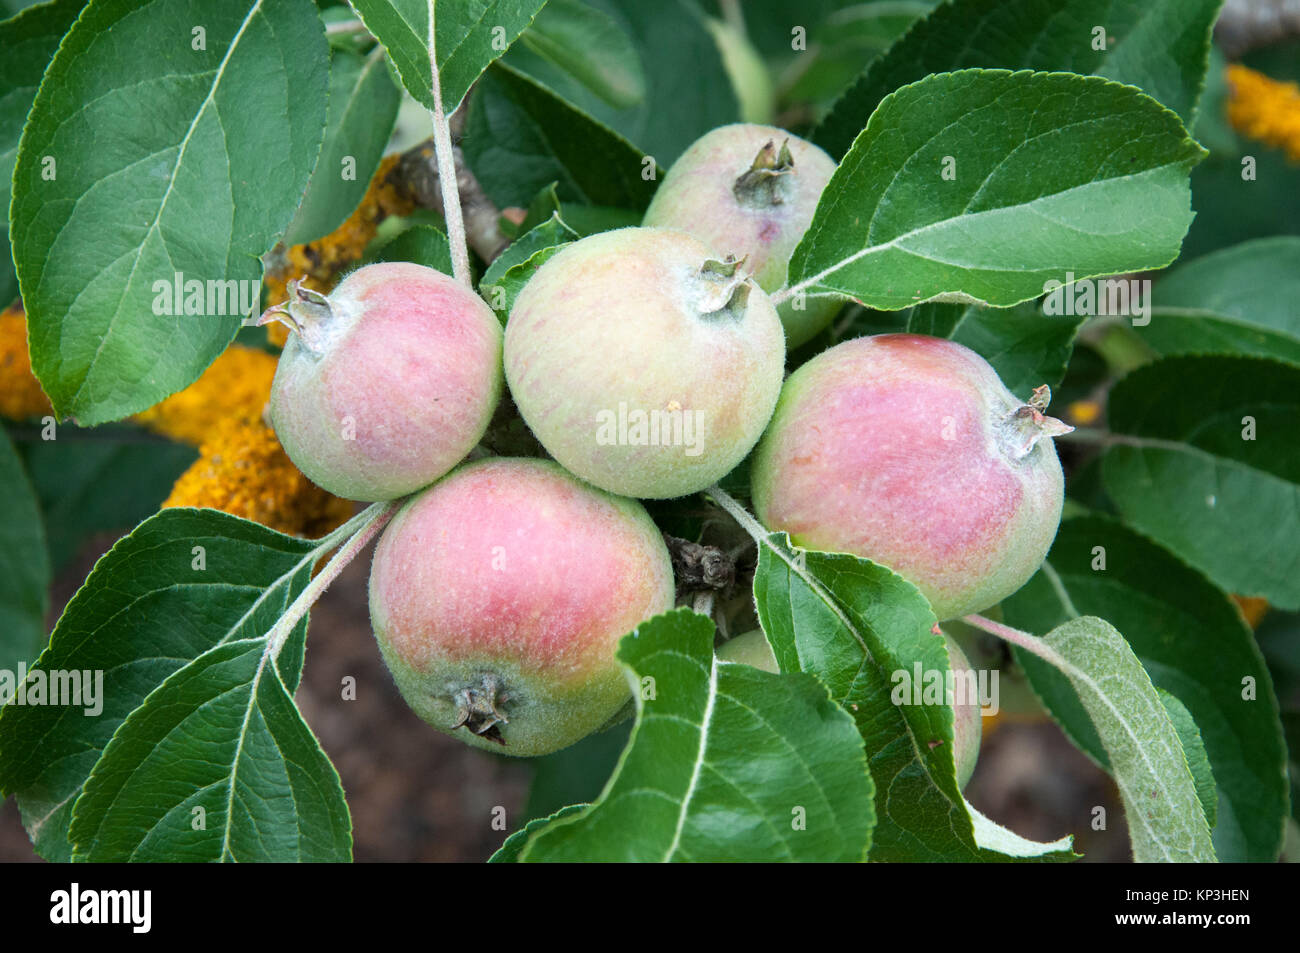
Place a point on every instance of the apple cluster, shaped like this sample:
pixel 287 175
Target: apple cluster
pixel 649 363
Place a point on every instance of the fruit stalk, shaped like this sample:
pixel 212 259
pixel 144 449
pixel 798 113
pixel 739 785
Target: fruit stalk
pixel 1030 643
pixel 363 528
pixel 447 169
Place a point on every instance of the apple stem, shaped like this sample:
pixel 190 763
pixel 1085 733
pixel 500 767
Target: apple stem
pixel 737 512
pixel 447 183
pixel 358 532
pixel 1030 643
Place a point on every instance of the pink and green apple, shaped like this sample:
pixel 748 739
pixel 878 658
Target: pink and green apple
pixel 498 597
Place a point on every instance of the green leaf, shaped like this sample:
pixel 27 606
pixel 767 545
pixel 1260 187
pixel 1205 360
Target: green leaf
pixel 24 565
pixel 216 765
pixel 1192 641
pixel 505 287
pixel 544 204
pixel 1161 46
pixel 1238 300
pixel 510 849
pixel 521 137
pixel 421 244
pixel 854 624
pixel 842 45
pixel 591 47
pixel 1039 161
pixel 1188 331
pixel 1206 463
pixel 139 163
pixel 577 774
pixel 592 219
pixel 1165 820
pixel 29 41
pixel 687 90
pixel 1278 637
pixel 1291 724
pixel 1256 281
pixel 471 34
pixel 144 613
pixel 362 109
pixel 1189 736
pixel 725 763
pixel 1025 346
pixel 549 234
pixel 508 274
pixel 999 844
pixel 1232 208
pixel 109 481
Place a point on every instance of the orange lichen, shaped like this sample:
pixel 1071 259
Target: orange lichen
pixel 1252 607
pixel 991 723
pixel 1264 109
pixel 1082 413
pixel 243 470
pixel 236 385
pixel 241 467
pixel 21 396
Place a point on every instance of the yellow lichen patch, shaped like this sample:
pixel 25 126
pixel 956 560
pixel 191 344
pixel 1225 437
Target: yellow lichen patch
pixel 320 263
pixel 1082 413
pixel 237 385
pixel 991 723
pixel 21 396
pixel 1264 109
pixel 243 470
pixel 1252 607
pixel 241 467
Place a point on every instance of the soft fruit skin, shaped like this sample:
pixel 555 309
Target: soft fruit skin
pixel 703 194
pixel 644 321
pixel 909 451
pixel 498 597
pixel 752 648
pixel 749 648
pixel 389 381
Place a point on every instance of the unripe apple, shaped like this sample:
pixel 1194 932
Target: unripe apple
pixel 751 191
pixel 642 364
pixel 909 451
pixel 498 597
pixel 387 382
pixel 752 648
pixel 749 648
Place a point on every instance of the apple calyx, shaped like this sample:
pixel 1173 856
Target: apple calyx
pixel 306 314
pixel 477 708
pixel 1020 430
pixel 726 287
pixel 766 182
